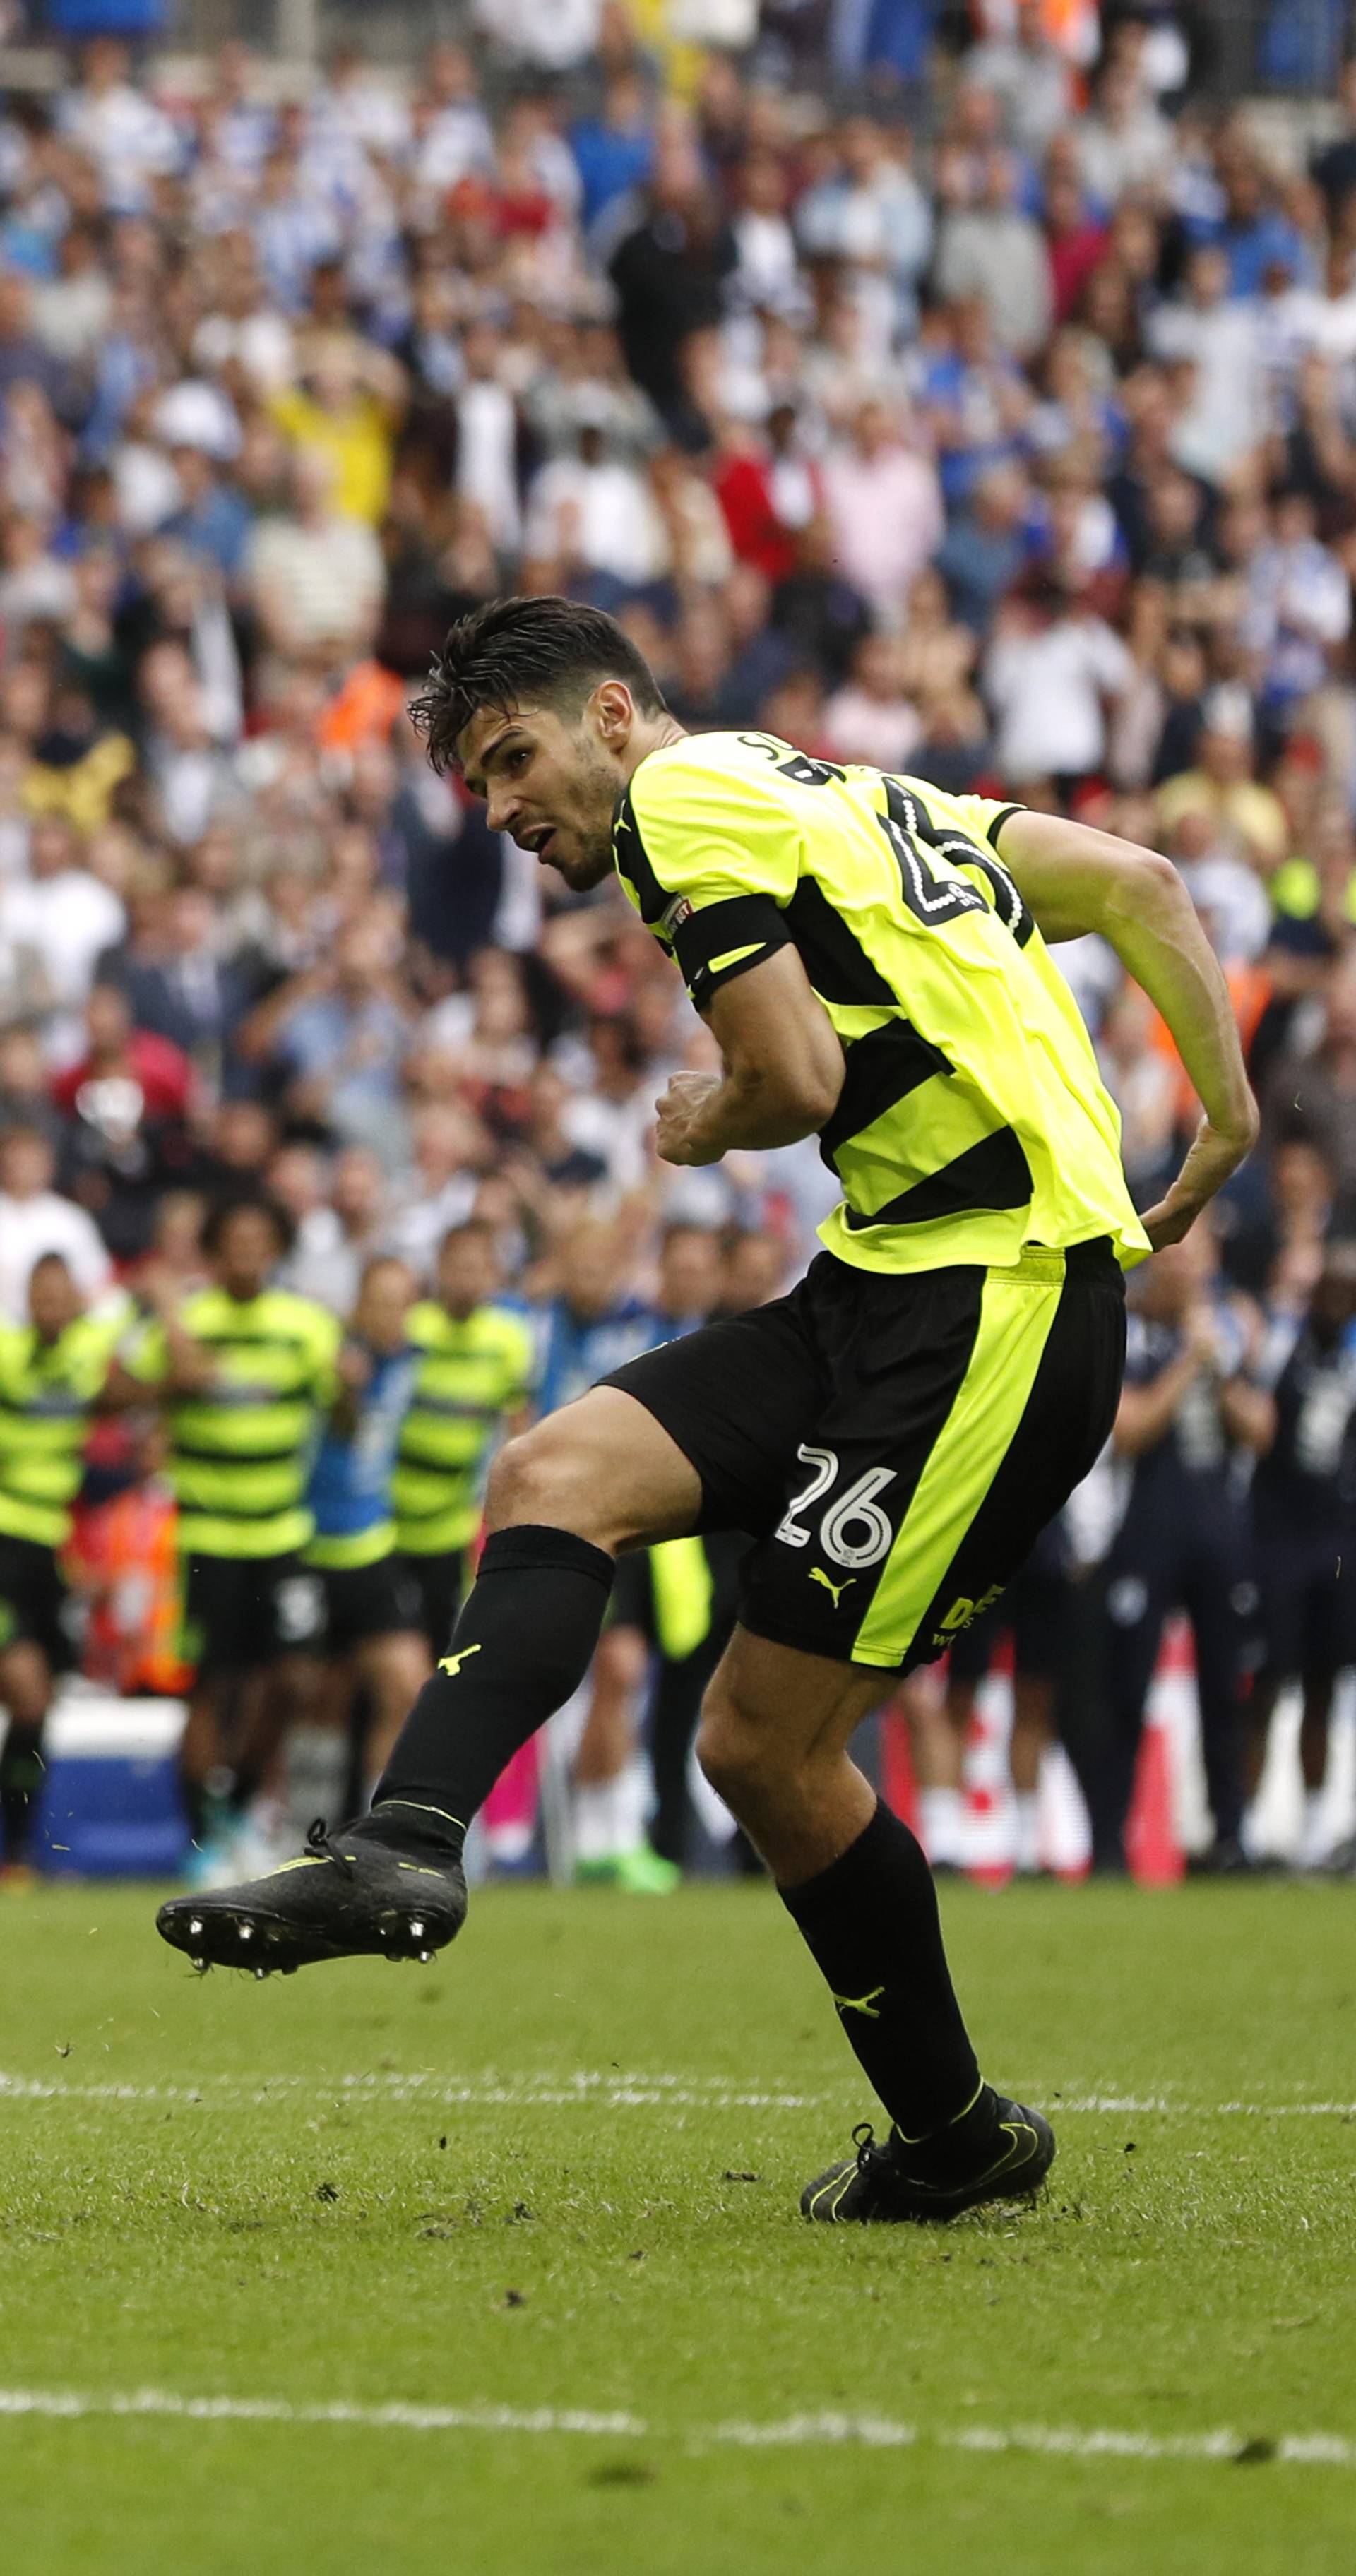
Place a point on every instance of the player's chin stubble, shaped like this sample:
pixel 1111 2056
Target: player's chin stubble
pixel 594 801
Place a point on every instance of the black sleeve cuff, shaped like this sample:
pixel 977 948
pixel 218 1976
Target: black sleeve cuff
pixel 996 826
pixel 723 940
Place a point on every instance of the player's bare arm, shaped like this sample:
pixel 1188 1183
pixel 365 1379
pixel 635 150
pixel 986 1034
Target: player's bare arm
pixel 1076 880
pixel 782 1069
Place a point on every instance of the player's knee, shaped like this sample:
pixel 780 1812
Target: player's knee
pixel 520 1477
pixel 542 1479
pixel 736 1755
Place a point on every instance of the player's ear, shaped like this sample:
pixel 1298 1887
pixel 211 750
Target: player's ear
pixel 613 711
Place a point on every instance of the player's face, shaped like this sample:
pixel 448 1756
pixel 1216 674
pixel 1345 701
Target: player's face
pixel 468 1273
pixel 551 781
pixel 53 1299
pixel 689 1274
pixel 589 1272
pixel 383 1303
pixel 246 1252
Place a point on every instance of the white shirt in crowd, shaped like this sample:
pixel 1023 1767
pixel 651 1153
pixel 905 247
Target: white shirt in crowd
pixel 66 920
pixel 487 459
pixel 1226 411
pixel 600 515
pixel 555 35
pixel 47 1223
pixel 332 576
pixel 1048 692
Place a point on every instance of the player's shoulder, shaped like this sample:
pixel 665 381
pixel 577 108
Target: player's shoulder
pixel 505 1328
pixel 426 1325
pixel 715 810
pixel 286 1310
pixel 203 1308
pixel 978 819
pixel 706 772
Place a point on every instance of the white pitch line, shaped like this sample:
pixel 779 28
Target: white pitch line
pixel 604 2091
pixel 794 2432
pixel 227 2093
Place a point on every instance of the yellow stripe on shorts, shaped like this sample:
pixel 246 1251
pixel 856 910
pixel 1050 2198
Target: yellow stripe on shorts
pixel 1017 1309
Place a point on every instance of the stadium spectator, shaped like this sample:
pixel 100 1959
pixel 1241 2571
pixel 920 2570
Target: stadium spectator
pixel 53 1371
pixel 1192 1418
pixel 36 1220
pixel 471 1386
pixel 244 1371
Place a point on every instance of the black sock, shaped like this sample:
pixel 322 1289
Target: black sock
pixel 870 1920
pixel 21 1776
pixel 522 1644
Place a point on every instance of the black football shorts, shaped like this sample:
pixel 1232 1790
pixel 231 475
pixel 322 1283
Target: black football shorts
pixel 381 1599
pixel 35 1606
pixel 894 1442
pixel 243 1611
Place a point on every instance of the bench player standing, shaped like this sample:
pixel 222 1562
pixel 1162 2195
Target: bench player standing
pixel 1303 1490
pixel 870 957
pixel 53 1372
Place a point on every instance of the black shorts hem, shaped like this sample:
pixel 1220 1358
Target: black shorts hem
pixel 775 1632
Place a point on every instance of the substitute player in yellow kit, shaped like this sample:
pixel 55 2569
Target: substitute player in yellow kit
pixel 870 956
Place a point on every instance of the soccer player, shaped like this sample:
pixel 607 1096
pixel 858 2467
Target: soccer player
pixel 1034 1612
pixel 870 956
pixel 662 1598
pixel 594 1322
pixel 1301 1499
pixel 53 1372
pixel 372 1603
pixel 471 1383
pixel 245 1372
pixel 1190 1421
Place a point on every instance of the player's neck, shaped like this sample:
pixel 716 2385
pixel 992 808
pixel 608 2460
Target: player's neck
pixel 650 733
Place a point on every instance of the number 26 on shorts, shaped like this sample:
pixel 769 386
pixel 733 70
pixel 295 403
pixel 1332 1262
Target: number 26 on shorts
pixel 853 1531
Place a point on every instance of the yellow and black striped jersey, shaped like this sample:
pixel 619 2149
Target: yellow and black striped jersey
pixel 241 1446
pixel 973 1120
pixel 471 1376
pixel 47 1393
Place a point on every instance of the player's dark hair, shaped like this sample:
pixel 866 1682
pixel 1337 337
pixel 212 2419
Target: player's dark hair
pixel 383 1261
pixel 51 1261
pixel 470 1227
pixel 234 1203
pixel 550 652
pixel 675 1227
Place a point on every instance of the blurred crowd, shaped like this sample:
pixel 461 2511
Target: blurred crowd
pixel 987 414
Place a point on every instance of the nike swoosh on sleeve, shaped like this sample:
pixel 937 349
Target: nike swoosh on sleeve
pixel 733 956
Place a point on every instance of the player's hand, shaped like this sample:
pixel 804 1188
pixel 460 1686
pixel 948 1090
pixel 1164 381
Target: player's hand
pixel 1214 1154
pixel 353 1368
pixel 160 1292
pixel 1203 1337
pixel 678 1135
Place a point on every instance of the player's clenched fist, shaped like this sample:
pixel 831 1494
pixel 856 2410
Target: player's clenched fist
pixel 679 1135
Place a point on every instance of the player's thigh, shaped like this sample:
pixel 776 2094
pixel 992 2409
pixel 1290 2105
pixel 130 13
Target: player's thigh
pixel 693 1436
pixel 36 1607
pixel 966 1404
pixel 436 1587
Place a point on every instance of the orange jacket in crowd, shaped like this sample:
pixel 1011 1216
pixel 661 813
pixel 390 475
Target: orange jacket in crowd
pixel 123 1555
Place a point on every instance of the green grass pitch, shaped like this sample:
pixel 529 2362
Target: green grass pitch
pixel 525 2222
